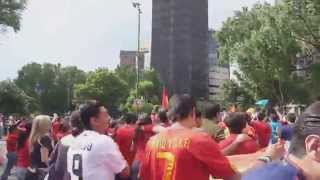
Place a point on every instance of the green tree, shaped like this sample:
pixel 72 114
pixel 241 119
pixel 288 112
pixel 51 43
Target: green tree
pixel 148 91
pixel 232 93
pixel 14 100
pixel 50 84
pixel 10 14
pixel 128 74
pixel 152 76
pixel 304 21
pixel 106 87
pixel 314 86
pixel 261 42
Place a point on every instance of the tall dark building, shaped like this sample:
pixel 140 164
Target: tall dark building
pixel 179 45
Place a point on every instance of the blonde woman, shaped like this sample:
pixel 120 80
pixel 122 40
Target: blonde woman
pixel 40 147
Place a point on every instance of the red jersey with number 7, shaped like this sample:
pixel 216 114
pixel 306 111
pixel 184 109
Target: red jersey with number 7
pixel 180 154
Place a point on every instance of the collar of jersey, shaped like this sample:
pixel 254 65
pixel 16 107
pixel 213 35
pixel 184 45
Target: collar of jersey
pixel 177 126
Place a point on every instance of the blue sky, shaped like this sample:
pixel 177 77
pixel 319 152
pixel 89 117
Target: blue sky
pixel 86 33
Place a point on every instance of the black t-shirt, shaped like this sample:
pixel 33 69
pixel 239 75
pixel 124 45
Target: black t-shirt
pixel 46 142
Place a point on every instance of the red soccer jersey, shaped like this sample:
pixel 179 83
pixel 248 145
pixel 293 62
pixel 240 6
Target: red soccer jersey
pixel 24 156
pixel 142 140
pixel 247 147
pixel 12 142
pixel 250 131
pixel 124 136
pixel 181 154
pixel 263 131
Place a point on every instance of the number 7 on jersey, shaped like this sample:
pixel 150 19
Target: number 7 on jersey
pixel 170 162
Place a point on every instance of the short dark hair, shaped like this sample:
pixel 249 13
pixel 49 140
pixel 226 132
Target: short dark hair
pixel 144 119
pixel 184 106
pixel 236 122
pixel 212 111
pixel 130 118
pixel 307 124
pixel 89 110
pixel 261 116
pixel 163 116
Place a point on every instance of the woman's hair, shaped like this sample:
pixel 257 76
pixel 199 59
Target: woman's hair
pixel 24 135
pixel 75 123
pixel 65 126
pixel 40 126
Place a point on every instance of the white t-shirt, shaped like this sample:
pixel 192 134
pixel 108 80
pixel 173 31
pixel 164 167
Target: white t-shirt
pixel 93 156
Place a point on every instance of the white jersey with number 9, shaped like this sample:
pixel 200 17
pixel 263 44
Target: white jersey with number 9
pixel 93 156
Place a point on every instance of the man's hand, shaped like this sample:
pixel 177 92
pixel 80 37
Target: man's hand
pixel 276 151
pixel 229 150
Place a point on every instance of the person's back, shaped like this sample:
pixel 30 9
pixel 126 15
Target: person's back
pixel 179 154
pixel 23 156
pixel 263 131
pixel 274 128
pixel 58 161
pixel 123 137
pixel 12 141
pixel 286 132
pixel 237 123
pixel 93 156
pixel 36 159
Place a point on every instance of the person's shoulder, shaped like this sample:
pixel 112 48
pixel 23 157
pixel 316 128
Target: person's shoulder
pixel 275 170
pixel 196 136
pixel 102 138
pixel 67 140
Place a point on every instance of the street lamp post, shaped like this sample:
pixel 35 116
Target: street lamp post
pixel 137 5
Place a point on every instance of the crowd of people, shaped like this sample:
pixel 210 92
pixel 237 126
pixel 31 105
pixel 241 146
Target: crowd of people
pixel 181 143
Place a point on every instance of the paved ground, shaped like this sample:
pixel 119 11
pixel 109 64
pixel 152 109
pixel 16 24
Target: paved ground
pixel 2 148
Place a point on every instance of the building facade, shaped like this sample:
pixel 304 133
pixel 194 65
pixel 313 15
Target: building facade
pixel 218 73
pixel 179 45
pixel 129 58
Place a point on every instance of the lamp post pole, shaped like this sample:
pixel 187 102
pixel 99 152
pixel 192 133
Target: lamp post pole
pixel 138 7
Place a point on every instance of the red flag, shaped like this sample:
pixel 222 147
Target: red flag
pixel 165 98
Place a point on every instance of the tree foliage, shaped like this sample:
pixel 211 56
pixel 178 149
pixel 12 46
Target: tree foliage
pixel 128 74
pixel 262 43
pixel 14 100
pixel 149 88
pixel 105 86
pixel 50 85
pixel 235 94
pixel 10 14
pixel 304 21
